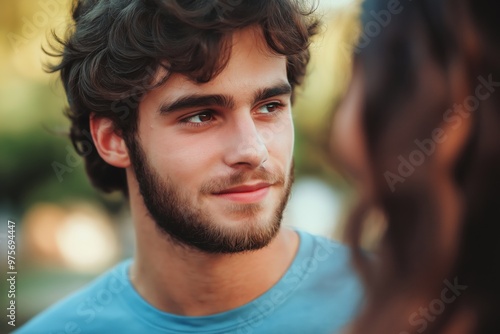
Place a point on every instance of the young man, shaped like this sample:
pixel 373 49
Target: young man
pixel 186 107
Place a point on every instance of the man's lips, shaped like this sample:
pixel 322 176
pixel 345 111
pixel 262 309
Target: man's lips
pixel 245 193
pixel 244 188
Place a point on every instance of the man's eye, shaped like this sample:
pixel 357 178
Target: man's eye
pixel 270 108
pixel 199 118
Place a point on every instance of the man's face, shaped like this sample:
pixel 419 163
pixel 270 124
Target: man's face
pixel 214 160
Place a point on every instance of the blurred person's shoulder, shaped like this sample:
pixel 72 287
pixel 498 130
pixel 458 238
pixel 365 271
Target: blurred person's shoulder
pixel 95 308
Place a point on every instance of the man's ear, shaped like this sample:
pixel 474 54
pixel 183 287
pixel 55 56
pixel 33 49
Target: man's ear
pixel 110 144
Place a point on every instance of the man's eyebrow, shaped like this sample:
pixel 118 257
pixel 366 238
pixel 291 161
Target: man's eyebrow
pixel 196 101
pixel 265 93
pixel 201 101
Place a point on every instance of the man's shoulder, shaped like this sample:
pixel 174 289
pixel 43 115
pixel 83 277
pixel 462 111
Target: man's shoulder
pixel 321 288
pixel 319 249
pixel 84 309
pixel 325 265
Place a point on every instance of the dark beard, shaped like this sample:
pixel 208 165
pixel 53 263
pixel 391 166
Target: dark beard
pixel 188 225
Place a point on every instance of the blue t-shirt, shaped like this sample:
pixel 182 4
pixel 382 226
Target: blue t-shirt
pixel 318 294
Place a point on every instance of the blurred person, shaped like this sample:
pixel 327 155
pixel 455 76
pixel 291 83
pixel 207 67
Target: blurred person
pixel 185 107
pixel 419 133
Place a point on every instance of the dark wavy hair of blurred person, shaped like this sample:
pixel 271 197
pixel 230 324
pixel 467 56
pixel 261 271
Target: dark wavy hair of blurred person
pixel 114 52
pixel 434 268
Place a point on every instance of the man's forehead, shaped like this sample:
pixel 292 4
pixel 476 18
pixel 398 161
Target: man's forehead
pixel 252 37
pixel 249 69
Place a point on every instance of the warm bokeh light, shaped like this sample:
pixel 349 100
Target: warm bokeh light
pixel 87 242
pixel 39 228
pixel 80 238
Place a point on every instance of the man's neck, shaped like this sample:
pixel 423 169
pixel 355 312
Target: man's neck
pixel 184 281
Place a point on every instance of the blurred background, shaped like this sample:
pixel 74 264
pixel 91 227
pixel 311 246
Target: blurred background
pixel 66 232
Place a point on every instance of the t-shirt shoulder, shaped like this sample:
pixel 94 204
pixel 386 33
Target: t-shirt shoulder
pixel 315 248
pixel 80 309
pixel 320 279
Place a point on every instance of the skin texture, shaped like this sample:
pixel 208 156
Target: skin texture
pixel 195 154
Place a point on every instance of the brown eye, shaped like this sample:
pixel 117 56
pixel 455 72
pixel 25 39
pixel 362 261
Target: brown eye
pixel 200 118
pixel 270 108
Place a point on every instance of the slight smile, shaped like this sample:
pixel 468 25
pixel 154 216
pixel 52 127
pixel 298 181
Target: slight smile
pixel 245 193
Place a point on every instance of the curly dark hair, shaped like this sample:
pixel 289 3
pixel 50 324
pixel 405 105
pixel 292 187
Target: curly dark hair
pixel 114 50
pixel 434 69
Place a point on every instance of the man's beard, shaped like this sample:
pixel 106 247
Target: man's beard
pixel 176 215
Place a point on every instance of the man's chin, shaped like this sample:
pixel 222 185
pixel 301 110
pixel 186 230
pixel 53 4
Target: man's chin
pixel 254 215
pixel 242 234
pixel 258 210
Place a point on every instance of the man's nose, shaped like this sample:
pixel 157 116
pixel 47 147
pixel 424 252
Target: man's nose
pixel 245 145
